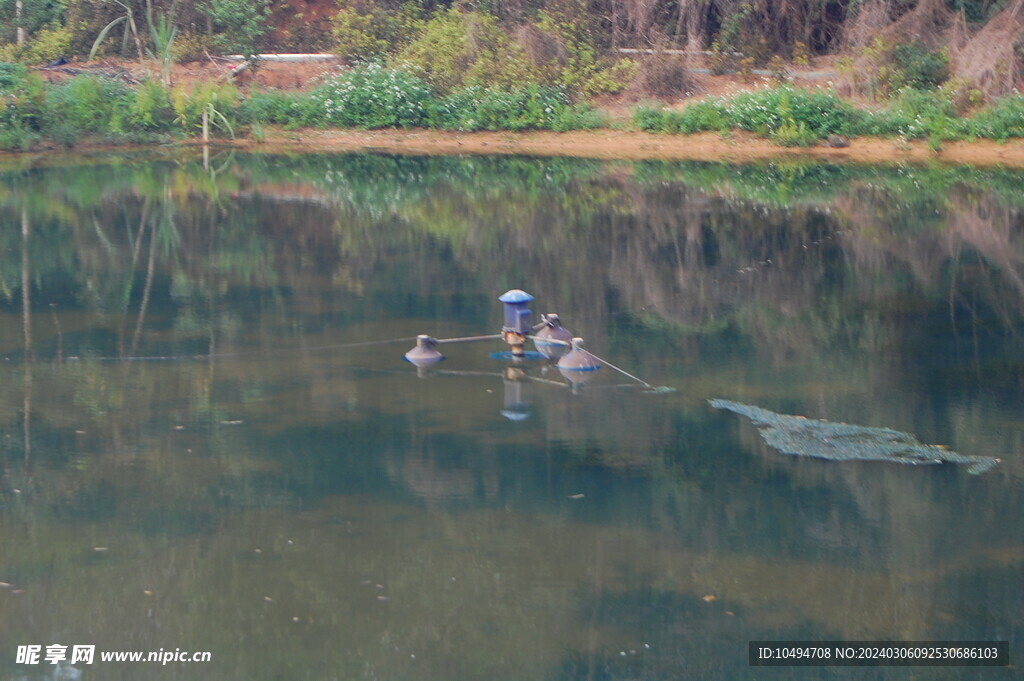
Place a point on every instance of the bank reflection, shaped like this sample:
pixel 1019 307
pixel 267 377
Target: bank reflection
pixel 195 405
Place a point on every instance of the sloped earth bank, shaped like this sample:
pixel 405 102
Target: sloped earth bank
pixel 626 145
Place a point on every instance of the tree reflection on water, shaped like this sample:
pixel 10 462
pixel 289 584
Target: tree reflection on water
pixel 265 495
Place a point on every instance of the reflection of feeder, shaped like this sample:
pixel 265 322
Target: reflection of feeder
pixel 517 319
pixel 424 354
pixel 577 378
pixel 578 365
pixel 552 340
pixel 516 405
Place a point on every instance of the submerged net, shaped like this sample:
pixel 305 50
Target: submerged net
pixel 801 436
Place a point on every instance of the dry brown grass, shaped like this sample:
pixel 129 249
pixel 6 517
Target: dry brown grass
pixel 929 23
pixel 988 60
pixel 663 76
pixel 877 28
pixel 544 50
pixel 985 60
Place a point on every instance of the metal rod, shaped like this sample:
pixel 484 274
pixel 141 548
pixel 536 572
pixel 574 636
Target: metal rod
pixel 253 354
pixel 623 371
pixel 550 341
pixel 467 339
pixel 603 361
pixel 297 57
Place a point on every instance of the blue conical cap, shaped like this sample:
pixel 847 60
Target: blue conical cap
pixel 515 296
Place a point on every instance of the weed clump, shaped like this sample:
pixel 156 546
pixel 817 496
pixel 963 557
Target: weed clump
pixel 1001 121
pixel 705 116
pixel 794 117
pixel 789 116
pixel 373 96
pixel 533 107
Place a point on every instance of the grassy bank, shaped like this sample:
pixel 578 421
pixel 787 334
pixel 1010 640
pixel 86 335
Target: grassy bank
pixel 791 116
pixel 95 109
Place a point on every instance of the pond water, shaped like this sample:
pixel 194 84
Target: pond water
pixel 200 453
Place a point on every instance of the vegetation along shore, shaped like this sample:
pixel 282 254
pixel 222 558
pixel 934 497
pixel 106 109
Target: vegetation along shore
pixel 712 78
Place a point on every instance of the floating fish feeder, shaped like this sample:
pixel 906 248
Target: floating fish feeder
pixel 425 353
pixel 517 320
pixel 578 359
pixel 553 342
pixel 552 339
pixel 578 365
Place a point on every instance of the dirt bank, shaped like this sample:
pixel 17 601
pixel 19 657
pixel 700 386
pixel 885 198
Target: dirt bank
pixel 596 144
pixel 624 145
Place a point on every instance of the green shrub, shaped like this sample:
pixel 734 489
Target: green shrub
pixel 46 45
pixel 150 109
pixel 12 76
pixel 564 52
pixel 35 16
pixel 766 111
pixel 290 109
pixel 357 35
pixel 457 49
pixel 372 96
pixel 794 133
pixel 611 78
pixel 216 99
pixel 962 97
pixel 16 138
pixel 923 104
pixel 704 116
pixel 239 23
pixel 917 67
pixel 580 116
pixel 920 114
pixel 189 47
pixel 532 107
pixel 884 123
pixel 788 115
pixel 364 30
pixel 1001 121
pixel 21 107
pixel 885 68
pixel 649 118
pixel 86 105
pixel 22 102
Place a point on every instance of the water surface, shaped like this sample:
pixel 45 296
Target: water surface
pixel 195 455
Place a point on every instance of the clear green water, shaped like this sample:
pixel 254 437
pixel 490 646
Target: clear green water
pixel 304 510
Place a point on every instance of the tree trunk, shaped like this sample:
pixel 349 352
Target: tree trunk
pixel 17 21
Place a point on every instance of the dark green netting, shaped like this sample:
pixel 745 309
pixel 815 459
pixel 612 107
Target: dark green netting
pixel 801 436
